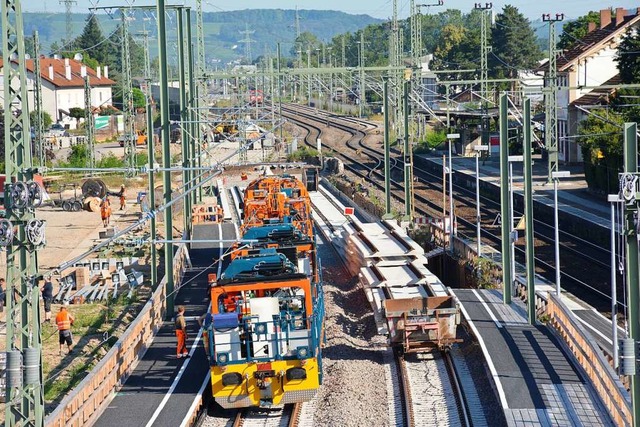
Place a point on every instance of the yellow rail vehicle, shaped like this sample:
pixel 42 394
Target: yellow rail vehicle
pixel 267 312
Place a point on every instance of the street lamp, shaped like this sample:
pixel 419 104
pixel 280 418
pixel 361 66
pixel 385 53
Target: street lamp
pixel 478 149
pixel 451 137
pixel 613 199
pixel 513 232
pixel 556 176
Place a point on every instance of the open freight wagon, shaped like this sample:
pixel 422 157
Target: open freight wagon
pixel 418 323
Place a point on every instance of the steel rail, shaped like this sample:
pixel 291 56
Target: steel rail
pixel 435 209
pixel 457 386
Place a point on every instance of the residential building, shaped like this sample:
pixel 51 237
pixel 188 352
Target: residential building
pixel 589 64
pixel 63 82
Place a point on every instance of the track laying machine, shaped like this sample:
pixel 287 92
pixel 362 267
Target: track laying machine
pixel 267 310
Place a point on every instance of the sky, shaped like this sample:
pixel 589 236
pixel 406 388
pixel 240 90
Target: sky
pixel 376 8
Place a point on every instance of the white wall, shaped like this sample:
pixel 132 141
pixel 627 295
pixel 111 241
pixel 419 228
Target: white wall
pixel 595 70
pixel 101 96
pixel 55 98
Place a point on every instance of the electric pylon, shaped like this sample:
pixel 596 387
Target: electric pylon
pixel 22 235
pixel 67 10
pixel 247 40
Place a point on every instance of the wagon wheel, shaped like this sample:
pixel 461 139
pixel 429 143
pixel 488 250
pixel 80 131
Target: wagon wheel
pixel 77 206
pixel 66 206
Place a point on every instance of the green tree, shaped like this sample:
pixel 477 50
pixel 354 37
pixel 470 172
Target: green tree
pixel 514 44
pixel 139 100
pixel 628 57
pixel 92 42
pixel 136 55
pixel 306 43
pixel 600 137
pixel 46 118
pixel 451 36
pixel 76 112
pixel 575 30
pixel 29 46
pixel 628 61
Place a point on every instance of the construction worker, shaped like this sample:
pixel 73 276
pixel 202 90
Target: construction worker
pixel 64 320
pixel 205 322
pixel 181 334
pixel 105 211
pixel 123 202
pixel 47 298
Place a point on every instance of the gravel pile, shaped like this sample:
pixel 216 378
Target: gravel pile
pixel 353 393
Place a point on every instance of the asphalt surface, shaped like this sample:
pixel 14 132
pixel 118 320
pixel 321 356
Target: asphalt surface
pixel 525 357
pixel 146 389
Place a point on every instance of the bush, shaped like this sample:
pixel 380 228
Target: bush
pixel 303 154
pixel 435 139
pixel 142 159
pixel 110 161
pixel 78 156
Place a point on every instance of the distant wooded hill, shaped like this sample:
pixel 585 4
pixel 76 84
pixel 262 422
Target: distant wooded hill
pixel 223 30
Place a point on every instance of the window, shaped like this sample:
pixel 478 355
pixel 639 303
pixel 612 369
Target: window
pixel 562 80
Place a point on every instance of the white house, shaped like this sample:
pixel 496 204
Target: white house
pixel 590 63
pixel 63 85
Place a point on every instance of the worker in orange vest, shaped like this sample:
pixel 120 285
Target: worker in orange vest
pixel 105 211
pixel 181 334
pixel 64 320
pixel 123 202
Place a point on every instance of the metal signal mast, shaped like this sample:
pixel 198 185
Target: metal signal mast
pixel 21 235
pixel 89 124
pixel 37 100
pixel 127 94
pixel 551 98
pixel 484 47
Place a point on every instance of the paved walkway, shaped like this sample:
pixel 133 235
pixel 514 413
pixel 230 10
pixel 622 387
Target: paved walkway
pixel 162 388
pixel 536 380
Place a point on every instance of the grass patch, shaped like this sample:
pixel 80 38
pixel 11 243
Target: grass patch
pixel 67 380
pixel 95 330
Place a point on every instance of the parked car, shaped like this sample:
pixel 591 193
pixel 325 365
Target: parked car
pixel 57 129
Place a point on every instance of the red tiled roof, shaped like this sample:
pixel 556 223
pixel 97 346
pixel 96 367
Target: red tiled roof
pixel 600 95
pixel 59 73
pixel 594 41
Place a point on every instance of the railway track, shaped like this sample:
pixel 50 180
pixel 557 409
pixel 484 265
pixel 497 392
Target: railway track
pixel 431 394
pixel 583 259
pixel 287 416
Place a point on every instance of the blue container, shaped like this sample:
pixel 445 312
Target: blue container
pixel 225 321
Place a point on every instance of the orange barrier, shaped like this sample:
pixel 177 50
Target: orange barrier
pixel 607 384
pixel 209 213
pixel 88 399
